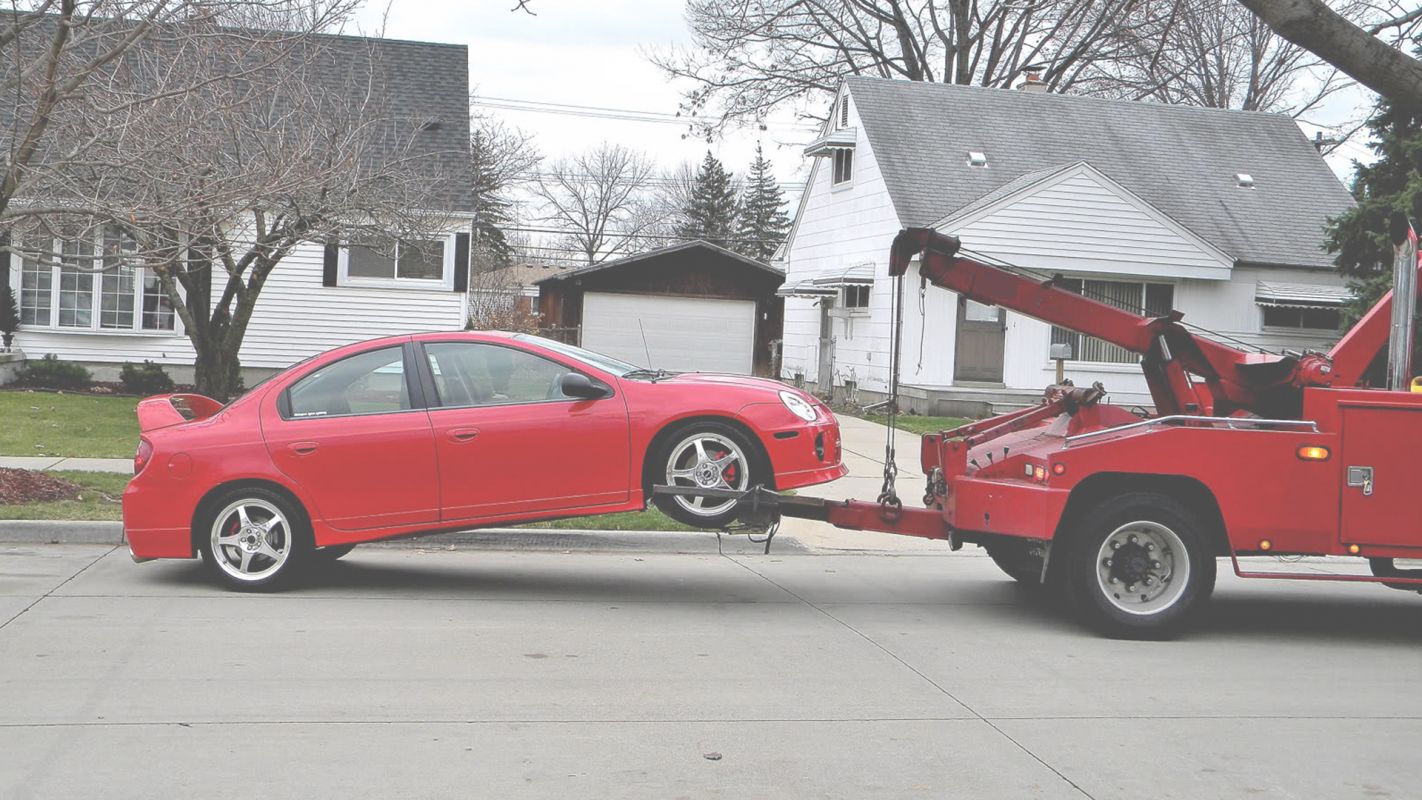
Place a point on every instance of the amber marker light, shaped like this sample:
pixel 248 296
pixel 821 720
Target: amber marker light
pixel 1313 452
pixel 1354 549
pixel 1265 544
pixel 1040 473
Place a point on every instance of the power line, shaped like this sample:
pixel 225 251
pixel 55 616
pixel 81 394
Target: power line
pixel 630 235
pixel 622 114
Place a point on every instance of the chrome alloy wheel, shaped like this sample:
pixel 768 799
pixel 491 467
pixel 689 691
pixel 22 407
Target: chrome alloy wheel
pixel 251 539
pixel 708 461
pixel 1142 568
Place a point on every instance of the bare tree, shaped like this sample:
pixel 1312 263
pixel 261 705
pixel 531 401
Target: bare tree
pixel 750 57
pixel 598 199
pixel 210 188
pixel 1358 51
pixel 501 157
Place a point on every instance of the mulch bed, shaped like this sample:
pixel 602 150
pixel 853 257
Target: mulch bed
pixel 27 486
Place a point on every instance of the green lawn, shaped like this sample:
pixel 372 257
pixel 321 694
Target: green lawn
pixel 99 499
pixel 649 520
pixel 915 423
pixel 76 425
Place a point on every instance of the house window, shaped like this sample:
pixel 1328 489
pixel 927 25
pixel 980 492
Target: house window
pixel 843 165
pixel 1150 299
pixel 1302 318
pixel 399 261
pixel 856 296
pixel 78 291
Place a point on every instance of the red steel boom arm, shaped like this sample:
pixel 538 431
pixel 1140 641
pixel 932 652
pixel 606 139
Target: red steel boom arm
pixel 1233 381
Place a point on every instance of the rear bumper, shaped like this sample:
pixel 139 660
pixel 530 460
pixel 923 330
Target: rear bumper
pixel 151 543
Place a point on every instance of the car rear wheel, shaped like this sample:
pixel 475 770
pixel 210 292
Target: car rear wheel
pixel 1139 566
pixel 254 539
pixel 705 455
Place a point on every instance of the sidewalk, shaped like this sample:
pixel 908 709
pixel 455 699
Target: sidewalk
pixel 58 462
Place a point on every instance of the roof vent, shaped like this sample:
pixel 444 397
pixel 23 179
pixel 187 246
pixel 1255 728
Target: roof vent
pixel 1244 180
pixel 977 158
pixel 1032 78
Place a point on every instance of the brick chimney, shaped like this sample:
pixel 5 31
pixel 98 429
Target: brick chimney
pixel 1032 75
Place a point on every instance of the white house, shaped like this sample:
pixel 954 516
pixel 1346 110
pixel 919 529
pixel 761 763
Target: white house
pixel 319 297
pixel 1217 214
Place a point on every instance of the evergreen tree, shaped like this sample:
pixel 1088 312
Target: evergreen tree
pixel 763 223
pixel 1390 184
pixel 499 157
pixel 711 210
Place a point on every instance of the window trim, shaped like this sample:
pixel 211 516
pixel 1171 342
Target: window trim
pixel 414 388
pixel 1301 329
pixel 1144 285
pixel 432 392
pixel 444 284
pixel 17 272
pixel 848 180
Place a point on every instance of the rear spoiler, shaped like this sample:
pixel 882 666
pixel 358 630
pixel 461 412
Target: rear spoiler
pixel 167 410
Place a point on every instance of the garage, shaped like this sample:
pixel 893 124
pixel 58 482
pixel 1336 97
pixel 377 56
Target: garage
pixel 682 334
pixel 689 307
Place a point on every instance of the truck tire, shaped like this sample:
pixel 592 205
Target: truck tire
pixel 1014 557
pixel 1139 566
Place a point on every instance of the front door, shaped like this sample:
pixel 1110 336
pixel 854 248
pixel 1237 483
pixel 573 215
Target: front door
pixel 1379 475
pixel 825 376
pixel 356 445
pixel 981 334
pixel 511 443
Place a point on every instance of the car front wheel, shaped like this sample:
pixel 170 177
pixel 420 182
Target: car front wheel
pixel 254 539
pixel 705 455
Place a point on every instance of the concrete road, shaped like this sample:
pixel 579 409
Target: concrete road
pixel 405 673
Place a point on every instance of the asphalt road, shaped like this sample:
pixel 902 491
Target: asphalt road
pixel 402 673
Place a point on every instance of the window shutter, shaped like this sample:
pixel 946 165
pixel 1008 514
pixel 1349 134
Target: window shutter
pixel 4 266
pixel 461 262
pixel 328 267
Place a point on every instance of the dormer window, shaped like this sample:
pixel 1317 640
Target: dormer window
pixel 843 166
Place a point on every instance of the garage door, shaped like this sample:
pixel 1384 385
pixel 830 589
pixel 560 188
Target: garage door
pixel 681 333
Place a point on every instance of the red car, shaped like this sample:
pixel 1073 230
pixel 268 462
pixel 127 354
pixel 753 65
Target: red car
pixel 448 431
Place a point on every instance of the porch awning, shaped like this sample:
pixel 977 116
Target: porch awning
pixel 1300 295
pixel 806 289
pixel 842 139
pixel 857 275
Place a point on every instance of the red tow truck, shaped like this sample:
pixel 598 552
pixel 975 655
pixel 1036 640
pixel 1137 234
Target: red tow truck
pixel 1125 512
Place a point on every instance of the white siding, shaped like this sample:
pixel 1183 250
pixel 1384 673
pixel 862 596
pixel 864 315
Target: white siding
pixel 839 227
pixel 295 317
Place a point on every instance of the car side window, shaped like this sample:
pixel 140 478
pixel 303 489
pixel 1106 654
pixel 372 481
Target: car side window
pixel 476 374
pixel 372 382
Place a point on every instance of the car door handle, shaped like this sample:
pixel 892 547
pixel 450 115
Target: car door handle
pixel 302 448
pixel 463 434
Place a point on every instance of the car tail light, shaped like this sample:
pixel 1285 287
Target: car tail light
pixel 143 456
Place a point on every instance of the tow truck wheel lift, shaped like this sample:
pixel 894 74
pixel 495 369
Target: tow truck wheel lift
pixel 1124 513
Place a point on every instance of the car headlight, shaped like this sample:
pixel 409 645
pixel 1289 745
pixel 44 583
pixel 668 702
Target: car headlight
pixel 798 406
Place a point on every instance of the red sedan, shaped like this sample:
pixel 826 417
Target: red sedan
pixel 448 431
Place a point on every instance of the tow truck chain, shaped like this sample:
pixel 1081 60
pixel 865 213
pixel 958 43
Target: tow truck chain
pixel 890 506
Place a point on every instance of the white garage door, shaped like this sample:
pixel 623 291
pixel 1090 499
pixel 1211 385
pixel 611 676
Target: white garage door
pixel 681 333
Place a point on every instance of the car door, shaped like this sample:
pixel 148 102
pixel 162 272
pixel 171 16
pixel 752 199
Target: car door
pixel 509 441
pixel 354 436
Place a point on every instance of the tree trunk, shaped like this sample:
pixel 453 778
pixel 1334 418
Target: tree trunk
pixel 1312 25
pixel 218 373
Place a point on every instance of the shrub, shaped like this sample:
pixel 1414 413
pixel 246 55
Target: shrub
pixel 51 373
pixel 145 379
pixel 9 314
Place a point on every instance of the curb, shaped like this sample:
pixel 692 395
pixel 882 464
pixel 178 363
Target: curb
pixel 60 532
pixel 506 539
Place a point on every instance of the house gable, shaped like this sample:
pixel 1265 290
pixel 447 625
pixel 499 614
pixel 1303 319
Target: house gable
pixel 1077 219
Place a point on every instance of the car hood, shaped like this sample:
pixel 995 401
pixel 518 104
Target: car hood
pixel 718 379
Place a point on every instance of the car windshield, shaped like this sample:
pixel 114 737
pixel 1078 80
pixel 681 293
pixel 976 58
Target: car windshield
pixel 605 363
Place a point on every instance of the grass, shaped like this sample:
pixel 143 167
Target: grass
pixel 98 500
pixel 73 425
pixel 650 520
pixel 915 423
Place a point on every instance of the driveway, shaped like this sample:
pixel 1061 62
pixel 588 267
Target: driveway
pixel 428 673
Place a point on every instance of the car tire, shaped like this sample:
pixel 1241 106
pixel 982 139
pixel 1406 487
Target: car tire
pixel 253 539
pixel 709 455
pixel 332 552
pixel 1139 565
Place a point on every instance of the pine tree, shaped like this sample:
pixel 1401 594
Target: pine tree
pixel 711 210
pixel 763 224
pixel 1359 236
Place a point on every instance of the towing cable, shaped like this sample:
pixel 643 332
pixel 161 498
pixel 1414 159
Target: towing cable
pixel 890 506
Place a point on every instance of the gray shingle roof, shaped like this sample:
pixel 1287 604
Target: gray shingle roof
pixel 1180 159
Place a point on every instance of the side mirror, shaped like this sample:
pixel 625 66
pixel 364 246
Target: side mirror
pixel 576 384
